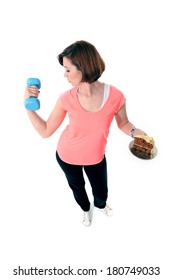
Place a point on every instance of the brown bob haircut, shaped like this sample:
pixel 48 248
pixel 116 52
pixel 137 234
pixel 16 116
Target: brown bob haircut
pixel 86 58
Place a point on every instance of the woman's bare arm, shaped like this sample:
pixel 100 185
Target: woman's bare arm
pixel 124 124
pixel 45 128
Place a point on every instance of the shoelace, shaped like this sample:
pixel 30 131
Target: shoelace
pixel 86 216
pixel 108 207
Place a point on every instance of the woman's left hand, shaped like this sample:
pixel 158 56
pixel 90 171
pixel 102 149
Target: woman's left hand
pixel 138 132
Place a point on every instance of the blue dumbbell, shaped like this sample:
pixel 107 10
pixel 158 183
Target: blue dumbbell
pixel 33 103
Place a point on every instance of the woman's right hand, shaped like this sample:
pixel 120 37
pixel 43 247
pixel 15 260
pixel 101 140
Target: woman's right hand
pixel 31 91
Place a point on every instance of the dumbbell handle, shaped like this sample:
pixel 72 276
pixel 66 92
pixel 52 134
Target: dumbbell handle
pixel 32 103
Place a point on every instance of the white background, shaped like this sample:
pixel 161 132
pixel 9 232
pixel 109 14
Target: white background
pixel 40 221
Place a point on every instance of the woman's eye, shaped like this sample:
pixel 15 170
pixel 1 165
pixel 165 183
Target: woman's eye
pixel 67 70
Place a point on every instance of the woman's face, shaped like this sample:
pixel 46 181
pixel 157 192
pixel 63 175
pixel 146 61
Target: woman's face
pixel 73 75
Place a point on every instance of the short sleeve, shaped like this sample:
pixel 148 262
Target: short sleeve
pixel 118 99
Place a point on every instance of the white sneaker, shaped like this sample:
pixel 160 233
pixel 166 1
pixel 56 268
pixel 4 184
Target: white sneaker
pixel 108 210
pixel 86 219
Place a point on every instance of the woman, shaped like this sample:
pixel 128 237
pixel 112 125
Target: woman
pixel 91 106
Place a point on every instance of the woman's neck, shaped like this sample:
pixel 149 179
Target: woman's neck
pixel 87 89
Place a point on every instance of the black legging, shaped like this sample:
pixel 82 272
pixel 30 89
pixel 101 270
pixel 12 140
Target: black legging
pixel 97 175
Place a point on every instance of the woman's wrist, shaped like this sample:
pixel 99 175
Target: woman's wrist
pixel 132 131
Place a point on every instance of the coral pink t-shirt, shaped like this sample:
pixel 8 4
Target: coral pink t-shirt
pixel 83 141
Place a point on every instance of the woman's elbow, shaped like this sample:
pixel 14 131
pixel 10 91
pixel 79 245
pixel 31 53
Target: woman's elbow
pixel 45 134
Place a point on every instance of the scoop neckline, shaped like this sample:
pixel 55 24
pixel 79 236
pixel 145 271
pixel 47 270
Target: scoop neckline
pixel 102 106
